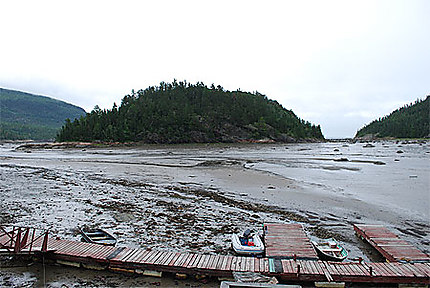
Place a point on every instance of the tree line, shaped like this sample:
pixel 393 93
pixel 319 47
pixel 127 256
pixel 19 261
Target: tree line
pixel 409 121
pixel 181 112
pixel 28 116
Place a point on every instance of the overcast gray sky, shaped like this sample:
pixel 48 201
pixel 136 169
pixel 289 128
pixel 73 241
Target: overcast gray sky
pixel 339 64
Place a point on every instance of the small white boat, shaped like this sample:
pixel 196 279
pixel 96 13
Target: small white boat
pixel 247 244
pixel 330 250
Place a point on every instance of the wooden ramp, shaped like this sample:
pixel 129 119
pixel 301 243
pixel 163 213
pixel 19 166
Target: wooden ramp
pixel 288 241
pixel 389 244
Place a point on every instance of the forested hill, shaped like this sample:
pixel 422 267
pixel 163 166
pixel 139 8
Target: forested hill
pixel 410 121
pixel 180 112
pixel 28 116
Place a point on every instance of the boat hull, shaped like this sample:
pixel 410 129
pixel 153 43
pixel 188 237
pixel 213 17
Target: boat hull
pixel 98 236
pixel 330 250
pixel 256 249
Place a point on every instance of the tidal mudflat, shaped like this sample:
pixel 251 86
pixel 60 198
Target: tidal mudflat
pixel 193 197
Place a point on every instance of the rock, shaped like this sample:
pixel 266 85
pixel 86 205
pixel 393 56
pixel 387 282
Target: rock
pixel 181 276
pixel 341 160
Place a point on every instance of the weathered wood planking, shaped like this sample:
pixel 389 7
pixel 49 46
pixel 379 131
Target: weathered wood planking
pixel 223 265
pixel 288 241
pixel 389 244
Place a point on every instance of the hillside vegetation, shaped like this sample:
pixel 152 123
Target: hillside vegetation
pixel 180 112
pixel 410 121
pixel 28 116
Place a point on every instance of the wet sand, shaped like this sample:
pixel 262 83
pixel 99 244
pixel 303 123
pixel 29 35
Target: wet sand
pixel 192 197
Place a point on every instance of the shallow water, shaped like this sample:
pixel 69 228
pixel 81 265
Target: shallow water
pixel 192 197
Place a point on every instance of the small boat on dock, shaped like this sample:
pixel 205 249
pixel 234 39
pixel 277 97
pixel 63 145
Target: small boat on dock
pixel 247 244
pixel 97 236
pixel 330 250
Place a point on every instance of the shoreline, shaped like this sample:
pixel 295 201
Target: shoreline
pixel 78 144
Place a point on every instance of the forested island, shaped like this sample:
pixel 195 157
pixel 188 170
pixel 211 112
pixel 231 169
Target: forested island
pixel 25 116
pixel 409 121
pixel 180 112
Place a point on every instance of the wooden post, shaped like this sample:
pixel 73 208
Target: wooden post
pixel 17 247
pixel 298 270
pixel 45 242
pixel 12 236
pixel 32 240
pixel 25 238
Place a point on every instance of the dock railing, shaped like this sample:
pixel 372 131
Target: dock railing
pixel 23 240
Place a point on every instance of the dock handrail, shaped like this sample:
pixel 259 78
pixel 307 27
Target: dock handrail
pixel 17 239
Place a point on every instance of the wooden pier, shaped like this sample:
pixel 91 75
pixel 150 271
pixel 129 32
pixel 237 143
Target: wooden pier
pixel 125 259
pixel 389 244
pixel 288 241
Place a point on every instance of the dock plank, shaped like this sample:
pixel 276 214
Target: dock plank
pixel 414 270
pixel 95 252
pixel 120 254
pixel 190 259
pixel 136 255
pixel 160 258
pixel 405 272
pixel 195 261
pixel 424 268
pixel 131 254
pixel 153 257
pixel 325 271
pixel 256 265
pixel 239 263
pixel 364 268
pixel 85 252
pixel 177 260
pixel 209 262
pixel 218 262
pixel 203 261
pixel 376 270
pixel 389 244
pixel 222 264
pixel 143 256
pixel 228 263
pixel 287 241
pixel 233 263
pixel 168 259
pixel 146 256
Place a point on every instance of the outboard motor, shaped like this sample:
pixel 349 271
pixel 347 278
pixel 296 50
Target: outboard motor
pixel 247 233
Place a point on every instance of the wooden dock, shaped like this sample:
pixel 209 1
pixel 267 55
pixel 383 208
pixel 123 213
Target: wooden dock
pixel 288 241
pixel 94 256
pixel 389 244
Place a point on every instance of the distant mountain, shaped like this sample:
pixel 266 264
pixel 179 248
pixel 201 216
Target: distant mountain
pixel 191 113
pixel 28 116
pixel 410 121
